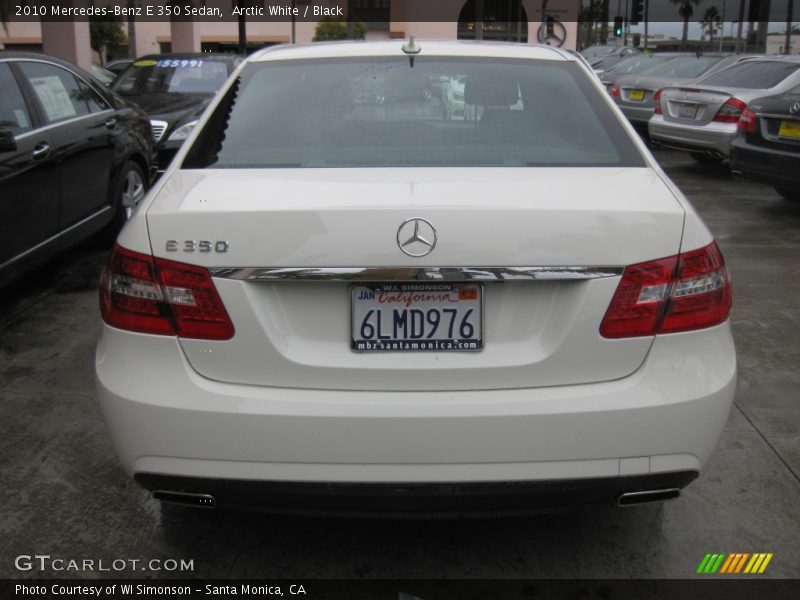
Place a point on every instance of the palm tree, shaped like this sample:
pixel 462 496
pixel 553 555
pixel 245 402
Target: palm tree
pixel 711 23
pixel 686 10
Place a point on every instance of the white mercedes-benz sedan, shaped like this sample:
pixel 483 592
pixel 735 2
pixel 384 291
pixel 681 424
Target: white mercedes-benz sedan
pixel 344 297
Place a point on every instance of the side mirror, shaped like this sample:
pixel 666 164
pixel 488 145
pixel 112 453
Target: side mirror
pixel 7 141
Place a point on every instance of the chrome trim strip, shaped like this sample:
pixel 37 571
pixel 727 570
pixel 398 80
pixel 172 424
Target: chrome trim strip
pixel 55 237
pixel 781 117
pixel 60 124
pixel 378 274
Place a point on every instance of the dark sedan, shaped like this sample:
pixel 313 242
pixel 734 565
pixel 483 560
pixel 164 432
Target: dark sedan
pixel 767 147
pixel 75 159
pixel 174 90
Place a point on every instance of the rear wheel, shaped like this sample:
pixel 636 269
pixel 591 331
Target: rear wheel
pixel 130 190
pixel 706 159
pixel 789 193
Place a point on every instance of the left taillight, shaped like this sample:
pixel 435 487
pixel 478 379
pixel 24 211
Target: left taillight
pixel 657 100
pixel 748 121
pixel 679 293
pixel 152 295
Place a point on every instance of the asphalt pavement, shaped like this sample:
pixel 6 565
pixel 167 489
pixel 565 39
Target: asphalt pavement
pixel 64 494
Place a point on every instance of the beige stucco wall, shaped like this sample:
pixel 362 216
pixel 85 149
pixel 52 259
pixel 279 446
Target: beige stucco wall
pixel 187 36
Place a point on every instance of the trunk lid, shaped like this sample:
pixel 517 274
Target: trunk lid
pixel 693 105
pixel 297 333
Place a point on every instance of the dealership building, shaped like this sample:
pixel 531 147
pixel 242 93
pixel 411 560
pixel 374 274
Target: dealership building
pixel 499 20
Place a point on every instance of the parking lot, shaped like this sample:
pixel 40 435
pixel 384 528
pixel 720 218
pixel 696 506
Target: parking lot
pixel 64 493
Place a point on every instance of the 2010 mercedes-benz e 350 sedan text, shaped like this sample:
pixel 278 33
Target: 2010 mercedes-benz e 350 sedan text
pixel 344 296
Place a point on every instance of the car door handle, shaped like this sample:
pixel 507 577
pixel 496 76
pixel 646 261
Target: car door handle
pixel 41 151
pixel 111 122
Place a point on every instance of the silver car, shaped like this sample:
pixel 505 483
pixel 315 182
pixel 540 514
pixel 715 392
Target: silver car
pixel 635 94
pixel 703 118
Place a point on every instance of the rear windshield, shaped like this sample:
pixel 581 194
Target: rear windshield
pixel 388 113
pixel 173 75
pixel 685 66
pixel 638 64
pixel 755 75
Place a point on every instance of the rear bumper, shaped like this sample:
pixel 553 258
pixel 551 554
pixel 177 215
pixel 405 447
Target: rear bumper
pixel 769 165
pixel 637 114
pixel 165 419
pixel 414 499
pixel 713 137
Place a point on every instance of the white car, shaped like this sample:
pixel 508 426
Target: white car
pixel 346 307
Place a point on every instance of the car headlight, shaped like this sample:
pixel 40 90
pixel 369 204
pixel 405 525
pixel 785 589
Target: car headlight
pixel 182 132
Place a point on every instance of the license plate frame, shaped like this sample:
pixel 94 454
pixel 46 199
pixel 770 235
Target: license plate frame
pixel 789 130
pixel 422 297
pixel 687 111
pixel 636 95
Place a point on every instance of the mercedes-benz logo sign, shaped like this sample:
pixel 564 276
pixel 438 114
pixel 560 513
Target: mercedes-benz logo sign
pixel 416 237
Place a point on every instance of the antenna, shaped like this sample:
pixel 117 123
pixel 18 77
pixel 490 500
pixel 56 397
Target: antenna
pixel 412 49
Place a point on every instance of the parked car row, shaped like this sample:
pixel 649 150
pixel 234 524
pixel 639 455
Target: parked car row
pixel 75 159
pixel 745 108
pixel 77 154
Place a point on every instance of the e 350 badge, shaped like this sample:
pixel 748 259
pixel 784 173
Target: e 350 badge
pixel 220 246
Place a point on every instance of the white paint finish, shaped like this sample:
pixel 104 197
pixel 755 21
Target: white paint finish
pixel 486 216
pixel 677 403
pixel 634 466
pixel 536 334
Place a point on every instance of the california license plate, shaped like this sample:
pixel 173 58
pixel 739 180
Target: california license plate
pixel 636 94
pixel 790 129
pixel 417 317
pixel 687 111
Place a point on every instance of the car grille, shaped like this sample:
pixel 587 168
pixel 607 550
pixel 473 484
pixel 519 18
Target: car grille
pixel 158 127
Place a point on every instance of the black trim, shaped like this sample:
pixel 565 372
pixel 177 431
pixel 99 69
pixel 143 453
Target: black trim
pixel 414 499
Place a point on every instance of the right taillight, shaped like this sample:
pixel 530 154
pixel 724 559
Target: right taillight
pixel 680 293
pixel 731 111
pixel 748 121
pixel 657 100
pixel 151 295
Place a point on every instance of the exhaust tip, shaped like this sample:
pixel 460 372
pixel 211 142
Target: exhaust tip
pixel 634 498
pixel 185 498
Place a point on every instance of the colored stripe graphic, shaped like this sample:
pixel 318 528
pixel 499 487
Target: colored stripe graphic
pixel 703 563
pixel 757 558
pixel 765 563
pixel 741 562
pixel 727 564
pixel 735 563
pixel 718 562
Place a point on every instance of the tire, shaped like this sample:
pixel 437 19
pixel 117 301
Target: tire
pixel 705 159
pixel 789 194
pixel 130 189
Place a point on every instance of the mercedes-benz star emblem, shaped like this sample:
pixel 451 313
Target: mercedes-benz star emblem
pixel 416 237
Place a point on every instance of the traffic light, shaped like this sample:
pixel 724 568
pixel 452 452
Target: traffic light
pixel 637 10
pixel 618 22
